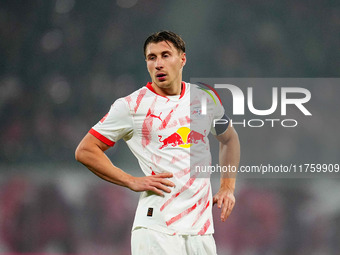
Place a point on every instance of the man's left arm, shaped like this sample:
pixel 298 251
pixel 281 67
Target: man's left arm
pixel 229 156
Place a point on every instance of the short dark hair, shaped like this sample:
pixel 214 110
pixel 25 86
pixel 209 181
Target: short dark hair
pixel 162 36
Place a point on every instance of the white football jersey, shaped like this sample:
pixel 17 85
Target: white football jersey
pixel 168 134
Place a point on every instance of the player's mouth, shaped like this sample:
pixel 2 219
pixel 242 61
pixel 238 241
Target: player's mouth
pixel 161 76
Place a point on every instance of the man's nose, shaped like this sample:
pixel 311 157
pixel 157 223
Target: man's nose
pixel 159 63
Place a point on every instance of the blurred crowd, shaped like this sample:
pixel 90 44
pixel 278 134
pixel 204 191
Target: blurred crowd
pixel 42 217
pixel 63 214
pixel 63 62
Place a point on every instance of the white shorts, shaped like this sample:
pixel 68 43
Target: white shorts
pixel 150 242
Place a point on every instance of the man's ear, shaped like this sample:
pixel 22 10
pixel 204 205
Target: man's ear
pixel 184 58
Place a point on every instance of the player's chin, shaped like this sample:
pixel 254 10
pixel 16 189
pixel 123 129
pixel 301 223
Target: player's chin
pixel 162 84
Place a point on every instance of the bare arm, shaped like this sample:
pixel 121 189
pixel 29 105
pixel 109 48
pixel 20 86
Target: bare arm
pixel 90 152
pixel 229 156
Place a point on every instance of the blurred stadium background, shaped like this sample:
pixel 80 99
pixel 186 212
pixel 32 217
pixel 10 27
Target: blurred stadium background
pixel 63 62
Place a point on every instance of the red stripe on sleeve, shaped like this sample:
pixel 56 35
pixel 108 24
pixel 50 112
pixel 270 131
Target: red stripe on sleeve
pixel 101 137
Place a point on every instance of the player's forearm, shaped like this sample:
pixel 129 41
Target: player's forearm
pixel 98 163
pixel 229 157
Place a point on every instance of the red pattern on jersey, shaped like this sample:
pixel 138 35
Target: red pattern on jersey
pixel 182 172
pixel 202 186
pixel 194 102
pixel 184 188
pixel 139 98
pixel 147 125
pixel 189 210
pixel 166 120
pixel 156 158
pixel 201 212
pixel 204 228
pixel 181 215
pixel 205 201
pixel 104 118
pixel 128 100
pixel 179 158
pixel 184 120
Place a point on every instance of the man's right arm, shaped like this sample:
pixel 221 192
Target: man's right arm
pixel 90 152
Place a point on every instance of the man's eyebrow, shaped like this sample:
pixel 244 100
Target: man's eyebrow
pixel 163 52
pixel 166 51
pixel 151 54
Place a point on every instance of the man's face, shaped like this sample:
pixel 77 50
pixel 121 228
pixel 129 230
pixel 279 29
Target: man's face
pixel 165 64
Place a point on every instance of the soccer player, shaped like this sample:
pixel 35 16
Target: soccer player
pixel 165 128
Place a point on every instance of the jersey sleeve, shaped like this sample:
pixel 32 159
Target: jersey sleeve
pixel 221 121
pixel 116 124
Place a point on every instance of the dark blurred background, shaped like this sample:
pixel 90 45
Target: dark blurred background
pixel 64 62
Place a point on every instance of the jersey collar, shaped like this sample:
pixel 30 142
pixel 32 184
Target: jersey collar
pixel 149 86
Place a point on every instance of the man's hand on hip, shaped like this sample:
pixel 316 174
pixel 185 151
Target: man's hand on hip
pixel 156 183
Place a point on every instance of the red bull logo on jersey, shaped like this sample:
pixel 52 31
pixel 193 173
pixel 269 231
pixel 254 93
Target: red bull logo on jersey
pixel 184 137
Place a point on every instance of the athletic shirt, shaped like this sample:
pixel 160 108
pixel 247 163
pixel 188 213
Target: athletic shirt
pixel 168 134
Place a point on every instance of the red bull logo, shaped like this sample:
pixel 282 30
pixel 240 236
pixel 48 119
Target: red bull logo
pixel 183 137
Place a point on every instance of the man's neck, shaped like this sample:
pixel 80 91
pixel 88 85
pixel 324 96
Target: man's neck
pixel 171 91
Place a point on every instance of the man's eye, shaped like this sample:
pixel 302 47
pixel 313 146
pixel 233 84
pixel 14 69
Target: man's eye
pixel 151 58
